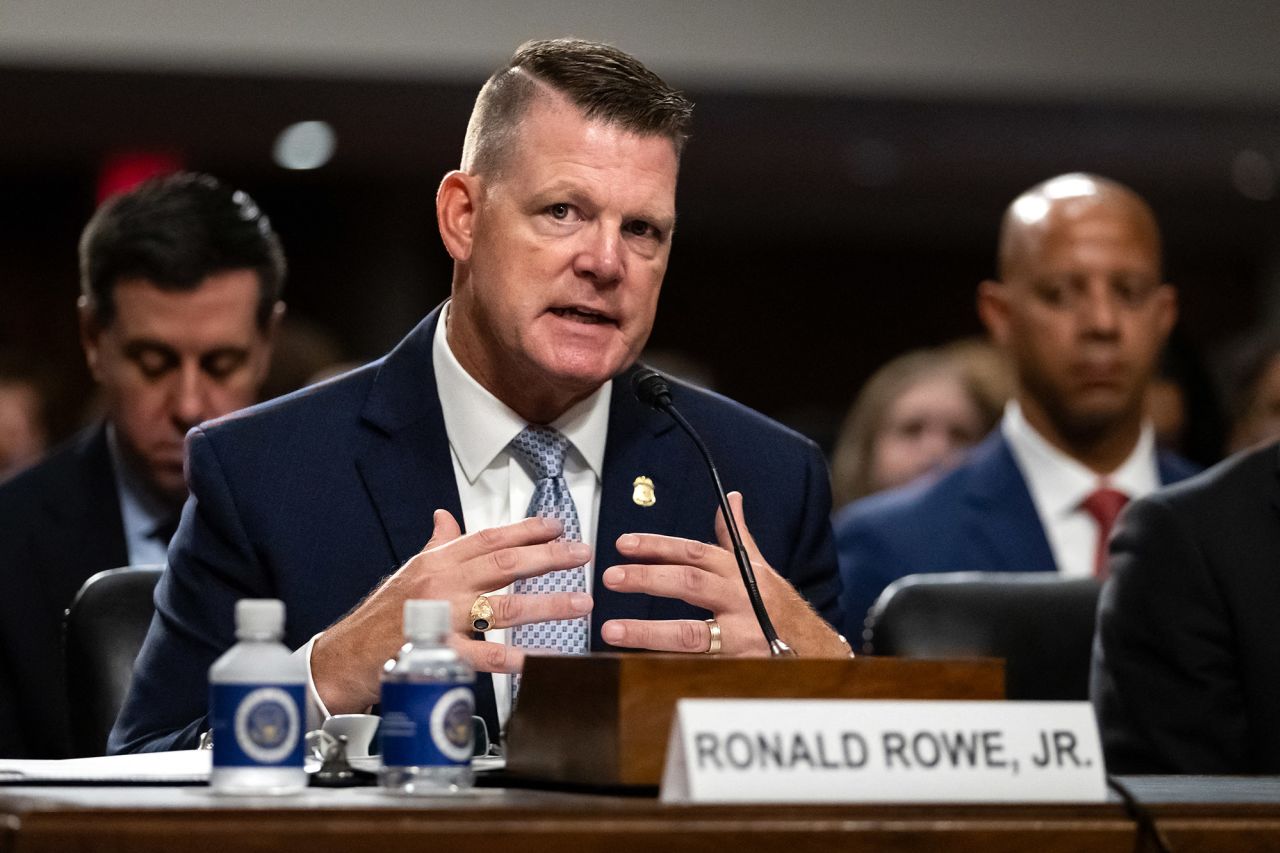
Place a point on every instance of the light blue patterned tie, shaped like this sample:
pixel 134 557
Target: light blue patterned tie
pixel 542 450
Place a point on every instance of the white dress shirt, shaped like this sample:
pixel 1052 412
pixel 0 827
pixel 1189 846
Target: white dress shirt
pixel 494 488
pixel 140 511
pixel 1059 484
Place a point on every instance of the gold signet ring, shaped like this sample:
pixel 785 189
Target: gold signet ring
pixel 482 614
pixel 714 648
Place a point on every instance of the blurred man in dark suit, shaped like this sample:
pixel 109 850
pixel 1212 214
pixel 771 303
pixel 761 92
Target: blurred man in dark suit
pixel 23 409
pixel 560 224
pixel 180 295
pixel 1186 667
pixel 1081 312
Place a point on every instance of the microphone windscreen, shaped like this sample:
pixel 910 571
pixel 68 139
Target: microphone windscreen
pixel 651 388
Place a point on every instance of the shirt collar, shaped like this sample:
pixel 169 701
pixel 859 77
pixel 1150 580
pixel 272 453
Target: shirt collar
pixel 1058 482
pixel 480 426
pixel 140 510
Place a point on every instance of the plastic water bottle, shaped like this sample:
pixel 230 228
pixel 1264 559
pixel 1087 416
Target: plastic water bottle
pixel 428 699
pixel 257 707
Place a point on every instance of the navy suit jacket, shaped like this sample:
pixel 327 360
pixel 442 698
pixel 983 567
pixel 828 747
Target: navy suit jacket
pixel 316 497
pixel 979 517
pixel 59 524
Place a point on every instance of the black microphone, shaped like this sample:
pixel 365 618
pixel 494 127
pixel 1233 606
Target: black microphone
pixel 651 388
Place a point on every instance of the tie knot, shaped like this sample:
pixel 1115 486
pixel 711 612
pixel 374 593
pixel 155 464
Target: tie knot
pixel 1104 505
pixel 542 449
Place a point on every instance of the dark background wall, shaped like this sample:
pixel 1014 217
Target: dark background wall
pixel 838 204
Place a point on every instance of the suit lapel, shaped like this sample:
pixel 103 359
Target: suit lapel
pixel 405 464
pixel 88 507
pixel 1172 468
pixel 1007 524
pixel 642 443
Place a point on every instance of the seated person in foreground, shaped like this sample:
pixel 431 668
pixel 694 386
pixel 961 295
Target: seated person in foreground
pixel 349 497
pixel 1186 673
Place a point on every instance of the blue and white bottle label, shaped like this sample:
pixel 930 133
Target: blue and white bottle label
pixel 256 725
pixel 426 725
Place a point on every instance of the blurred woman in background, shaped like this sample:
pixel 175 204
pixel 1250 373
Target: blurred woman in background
pixel 916 414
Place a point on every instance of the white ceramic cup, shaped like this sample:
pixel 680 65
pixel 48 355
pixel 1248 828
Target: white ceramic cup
pixel 359 729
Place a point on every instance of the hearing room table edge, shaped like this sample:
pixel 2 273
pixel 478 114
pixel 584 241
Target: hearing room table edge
pixel 1192 813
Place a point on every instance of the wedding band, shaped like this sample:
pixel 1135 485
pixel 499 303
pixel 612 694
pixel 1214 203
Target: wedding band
pixel 481 614
pixel 714 627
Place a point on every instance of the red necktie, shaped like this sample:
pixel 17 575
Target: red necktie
pixel 1104 505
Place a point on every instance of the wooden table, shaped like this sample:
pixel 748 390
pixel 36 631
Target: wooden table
pixel 1191 813
pixel 1217 813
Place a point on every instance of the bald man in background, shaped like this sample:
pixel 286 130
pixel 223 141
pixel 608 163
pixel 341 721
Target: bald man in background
pixel 1081 312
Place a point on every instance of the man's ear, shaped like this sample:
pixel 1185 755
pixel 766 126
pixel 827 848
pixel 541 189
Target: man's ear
pixel 456 204
pixel 269 334
pixel 993 309
pixel 90 336
pixel 277 317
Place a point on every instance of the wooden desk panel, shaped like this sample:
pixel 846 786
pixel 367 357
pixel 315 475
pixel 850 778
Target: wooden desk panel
pixel 193 820
pixel 1192 813
pixel 1218 813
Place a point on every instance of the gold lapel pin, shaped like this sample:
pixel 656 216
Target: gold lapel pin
pixel 642 492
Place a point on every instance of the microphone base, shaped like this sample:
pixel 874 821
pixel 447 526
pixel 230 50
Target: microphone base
pixel 779 649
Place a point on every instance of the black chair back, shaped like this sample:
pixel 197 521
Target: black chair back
pixel 1039 622
pixel 105 628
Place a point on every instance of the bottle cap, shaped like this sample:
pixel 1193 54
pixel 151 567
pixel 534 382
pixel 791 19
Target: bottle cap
pixel 257 617
pixel 425 618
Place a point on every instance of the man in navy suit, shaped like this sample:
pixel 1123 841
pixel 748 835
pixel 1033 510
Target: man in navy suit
pixel 346 499
pixel 181 280
pixel 1082 312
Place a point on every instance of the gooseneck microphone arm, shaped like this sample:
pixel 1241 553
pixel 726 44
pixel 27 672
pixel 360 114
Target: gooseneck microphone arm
pixel 651 388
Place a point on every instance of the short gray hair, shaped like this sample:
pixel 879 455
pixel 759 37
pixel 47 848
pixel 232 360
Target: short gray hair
pixel 603 82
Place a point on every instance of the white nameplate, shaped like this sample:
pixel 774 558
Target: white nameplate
pixel 850 751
